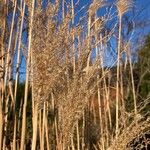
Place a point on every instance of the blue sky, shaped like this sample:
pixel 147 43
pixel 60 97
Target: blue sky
pixel 141 13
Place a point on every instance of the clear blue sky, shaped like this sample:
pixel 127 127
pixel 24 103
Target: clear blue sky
pixel 140 14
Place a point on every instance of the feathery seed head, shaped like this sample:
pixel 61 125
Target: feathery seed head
pixel 94 6
pixel 123 6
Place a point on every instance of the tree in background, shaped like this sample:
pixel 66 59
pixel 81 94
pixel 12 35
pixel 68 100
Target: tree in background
pixel 144 69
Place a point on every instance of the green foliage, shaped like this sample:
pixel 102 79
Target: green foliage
pixel 144 54
pixel 144 68
pixel 141 72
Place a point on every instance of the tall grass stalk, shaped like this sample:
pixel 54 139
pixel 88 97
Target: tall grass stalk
pixel 23 129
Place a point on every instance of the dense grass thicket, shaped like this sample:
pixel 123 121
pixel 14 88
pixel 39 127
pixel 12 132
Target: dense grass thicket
pixel 71 77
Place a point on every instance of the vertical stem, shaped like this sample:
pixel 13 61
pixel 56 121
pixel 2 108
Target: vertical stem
pixel 118 77
pixel 100 117
pixel 6 121
pixel 105 122
pixel 1 124
pixel 89 32
pixel 27 80
pixel 83 131
pixel 40 127
pixel 2 20
pixel 122 96
pixel 78 137
pixel 73 49
pixel 18 54
pixel 17 76
pixel 35 126
pixel 72 143
pixel 43 126
pixel 133 86
pixel 63 9
pixel 9 44
pixel 46 129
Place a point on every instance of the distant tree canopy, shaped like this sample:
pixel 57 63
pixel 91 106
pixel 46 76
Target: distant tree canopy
pixel 144 68
pixel 144 54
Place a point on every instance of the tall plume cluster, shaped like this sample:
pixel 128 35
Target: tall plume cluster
pixel 67 77
pixel 52 57
pixel 56 44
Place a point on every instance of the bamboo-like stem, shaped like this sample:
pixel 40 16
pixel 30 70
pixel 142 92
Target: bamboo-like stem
pixel 46 129
pixel 56 132
pixel 89 33
pixel 98 54
pixel 133 86
pixel 3 20
pixel 1 124
pixel 106 132
pixel 72 143
pixel 55 123
pixel 122 96
pixel 63 9
pixel 27 81
pixel 43 127
pixel 2 44
pixel 100 117
pixel 118 76
pixel 6 121
pixel 35 126
pixel 73 48
pixel 122 7
pixel 14 105
pixel 107 99
pixel 83 131
pixel 17 76
pixel 18 54
pixel 9 45
pixel 39 121
pixel 14 100
pixel 78 136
